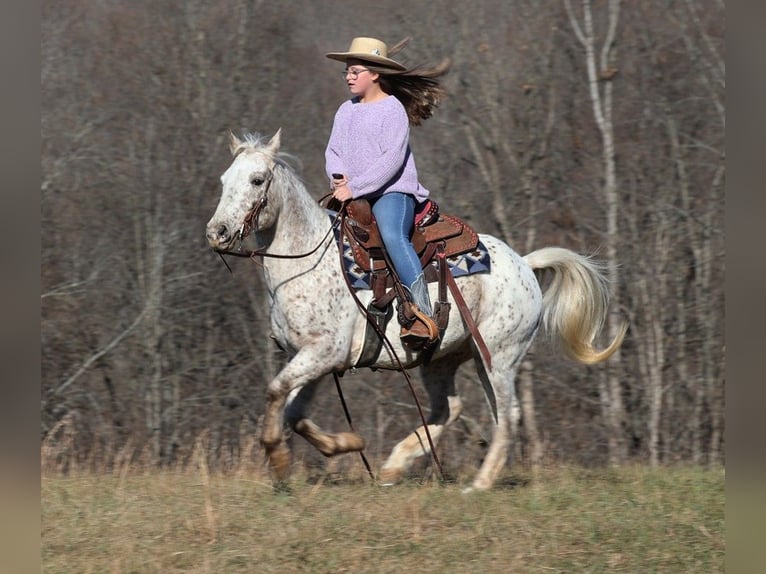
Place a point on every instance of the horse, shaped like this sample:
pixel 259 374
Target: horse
pixel 316 320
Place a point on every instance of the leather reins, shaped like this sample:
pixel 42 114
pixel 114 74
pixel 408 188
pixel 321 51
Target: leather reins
pixel 389 348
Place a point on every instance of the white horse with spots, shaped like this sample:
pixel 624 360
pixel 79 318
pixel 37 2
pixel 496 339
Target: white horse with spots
pixel 315 319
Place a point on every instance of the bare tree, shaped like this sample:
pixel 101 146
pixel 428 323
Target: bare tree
pixel 601 71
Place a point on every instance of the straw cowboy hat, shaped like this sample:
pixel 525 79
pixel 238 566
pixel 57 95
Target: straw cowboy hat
pixel 368 50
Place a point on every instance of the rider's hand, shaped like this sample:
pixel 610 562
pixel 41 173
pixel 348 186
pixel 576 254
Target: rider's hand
pixel 340 189
pixel 342 193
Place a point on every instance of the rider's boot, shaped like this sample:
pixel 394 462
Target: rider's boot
pixel 419 330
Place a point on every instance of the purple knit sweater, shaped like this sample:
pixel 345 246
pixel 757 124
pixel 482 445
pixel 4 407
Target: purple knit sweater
pixel 369 144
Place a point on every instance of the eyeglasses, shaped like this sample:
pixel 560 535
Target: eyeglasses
pixel 354 73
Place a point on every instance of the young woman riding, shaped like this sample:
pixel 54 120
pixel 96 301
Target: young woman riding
pixel 369 149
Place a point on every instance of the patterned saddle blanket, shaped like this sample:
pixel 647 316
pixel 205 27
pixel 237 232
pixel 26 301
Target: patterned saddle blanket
pixel 474 260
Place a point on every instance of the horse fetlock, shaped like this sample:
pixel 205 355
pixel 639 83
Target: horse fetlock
pixel 322 441
pixel 279 461
pixel 490 469
pixel 348 442
pixel 271 438
pixel 326 443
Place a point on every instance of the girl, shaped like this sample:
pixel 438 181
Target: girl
pixel 369 148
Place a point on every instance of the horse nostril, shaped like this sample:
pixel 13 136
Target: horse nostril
pixel 223 232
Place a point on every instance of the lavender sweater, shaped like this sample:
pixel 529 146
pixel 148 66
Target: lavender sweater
pixel 369 144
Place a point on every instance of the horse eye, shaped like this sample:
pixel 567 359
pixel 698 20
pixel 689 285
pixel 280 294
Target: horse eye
pixel 257 181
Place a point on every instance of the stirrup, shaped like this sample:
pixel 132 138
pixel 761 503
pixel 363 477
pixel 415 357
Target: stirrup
pixel 422 333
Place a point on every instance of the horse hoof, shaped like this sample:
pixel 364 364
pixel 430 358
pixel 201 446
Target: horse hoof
pixel 478 486
pixel 279 460
pixel 390 476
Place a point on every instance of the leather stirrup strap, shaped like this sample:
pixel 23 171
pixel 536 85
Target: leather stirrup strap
pixel 441 257
pixel 465 313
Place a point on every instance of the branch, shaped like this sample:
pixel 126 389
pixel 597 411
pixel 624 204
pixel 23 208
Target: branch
pixel 69 288
pixel 719 65
pixel 614 14
pixel 66 289
pixel 574 22
pixel 96 356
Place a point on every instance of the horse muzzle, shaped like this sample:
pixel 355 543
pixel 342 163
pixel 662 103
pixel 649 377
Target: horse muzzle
pixel 219 235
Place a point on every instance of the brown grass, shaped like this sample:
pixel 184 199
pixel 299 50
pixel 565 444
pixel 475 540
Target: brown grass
pixel 555 520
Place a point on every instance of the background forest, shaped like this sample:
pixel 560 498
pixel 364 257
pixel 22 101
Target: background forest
pixel 594 125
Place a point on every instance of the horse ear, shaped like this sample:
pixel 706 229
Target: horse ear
pixel 275 141
pixel 234 143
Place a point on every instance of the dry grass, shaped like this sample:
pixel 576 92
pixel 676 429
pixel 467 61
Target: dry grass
pixel 556 520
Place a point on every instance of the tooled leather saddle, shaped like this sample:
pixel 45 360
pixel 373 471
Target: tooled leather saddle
pixel 432 233
pixel 435 237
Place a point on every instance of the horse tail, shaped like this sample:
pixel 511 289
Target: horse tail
pixel 575 302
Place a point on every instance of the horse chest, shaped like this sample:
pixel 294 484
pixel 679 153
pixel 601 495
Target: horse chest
pixel 308 298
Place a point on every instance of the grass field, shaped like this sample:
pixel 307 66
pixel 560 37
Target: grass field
pixel 565 519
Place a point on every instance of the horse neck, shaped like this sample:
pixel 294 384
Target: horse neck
pixel 301 223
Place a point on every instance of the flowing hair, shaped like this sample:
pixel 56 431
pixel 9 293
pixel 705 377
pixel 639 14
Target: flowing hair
pixel 417 88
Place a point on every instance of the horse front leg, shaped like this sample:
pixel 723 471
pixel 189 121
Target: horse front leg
pixel 302 370
pixel 272 439
pixel 329 444
pixel 288 395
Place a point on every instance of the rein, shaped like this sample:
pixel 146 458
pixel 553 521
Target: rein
pixel 391 352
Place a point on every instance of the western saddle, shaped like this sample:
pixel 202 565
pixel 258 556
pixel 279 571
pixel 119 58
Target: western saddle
pixel 435 237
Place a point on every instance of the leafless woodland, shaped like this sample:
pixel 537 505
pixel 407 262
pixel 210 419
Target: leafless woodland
pixel 596 125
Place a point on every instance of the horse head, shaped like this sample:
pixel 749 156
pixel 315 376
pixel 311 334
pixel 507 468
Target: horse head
pixel 245 200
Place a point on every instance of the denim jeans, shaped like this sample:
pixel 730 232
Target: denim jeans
pixel 395 213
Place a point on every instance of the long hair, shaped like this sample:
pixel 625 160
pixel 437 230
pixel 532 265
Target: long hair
pixel 417 88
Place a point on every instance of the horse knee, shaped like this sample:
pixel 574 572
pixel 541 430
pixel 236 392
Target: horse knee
pixel 272 437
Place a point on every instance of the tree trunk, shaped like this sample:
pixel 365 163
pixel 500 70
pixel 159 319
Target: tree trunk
pixel 529 417
pixel 611 391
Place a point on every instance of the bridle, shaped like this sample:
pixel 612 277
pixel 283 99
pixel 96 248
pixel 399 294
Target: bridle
pixel 250 223
pixel 251 218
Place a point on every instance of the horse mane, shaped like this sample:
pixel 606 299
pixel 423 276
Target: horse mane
pixel 253 141
pixel 286 165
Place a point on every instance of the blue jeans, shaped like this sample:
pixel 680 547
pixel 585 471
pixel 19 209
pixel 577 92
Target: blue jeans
pixel 395 213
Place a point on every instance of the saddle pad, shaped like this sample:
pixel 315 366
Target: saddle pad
pixel 476 261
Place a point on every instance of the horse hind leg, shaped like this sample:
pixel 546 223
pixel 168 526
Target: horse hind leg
pixel 446 406
pixel 329 444
pixel 502 382
pixel 497 454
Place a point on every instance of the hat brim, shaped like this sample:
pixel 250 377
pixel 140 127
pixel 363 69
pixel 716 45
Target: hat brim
pixel 372 58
